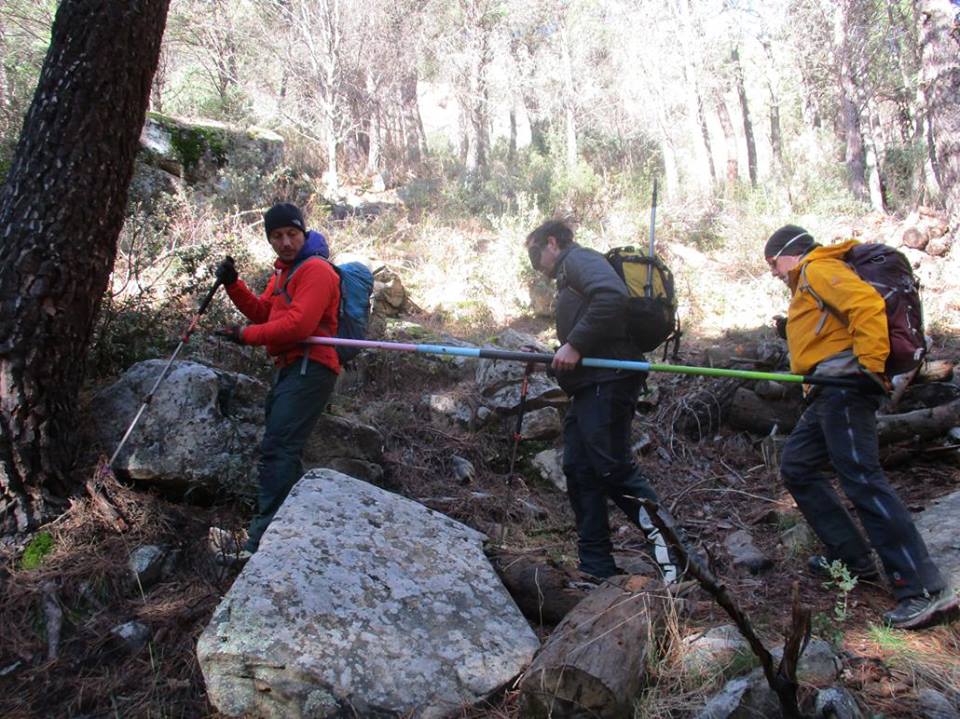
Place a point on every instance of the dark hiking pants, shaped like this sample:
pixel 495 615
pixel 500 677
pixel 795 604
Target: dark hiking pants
pixel 598 463
pixel 841 426
pixel 297 399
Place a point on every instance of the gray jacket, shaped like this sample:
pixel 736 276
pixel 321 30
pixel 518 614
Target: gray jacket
pixel 591 302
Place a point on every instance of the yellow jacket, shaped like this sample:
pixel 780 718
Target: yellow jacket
pixel 814 333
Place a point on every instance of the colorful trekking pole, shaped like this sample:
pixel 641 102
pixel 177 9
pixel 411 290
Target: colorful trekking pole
pixel 518 430
pixel 184 338
pixel 544 358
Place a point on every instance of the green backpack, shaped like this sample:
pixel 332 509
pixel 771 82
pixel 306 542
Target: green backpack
pixel 652 308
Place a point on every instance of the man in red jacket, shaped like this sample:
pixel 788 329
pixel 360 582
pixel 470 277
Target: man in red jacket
pixel 301 299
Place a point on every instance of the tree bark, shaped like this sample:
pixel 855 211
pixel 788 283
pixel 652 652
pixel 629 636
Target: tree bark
pixel 854 153
pixel 940 82
pixel 747 124
pixel 414 136
pixel 730 139
pixel 569 93
pixel 61 210
pixel 595 661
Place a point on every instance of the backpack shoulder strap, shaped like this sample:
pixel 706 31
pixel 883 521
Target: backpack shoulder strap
pixel 803 285
pixel 282 289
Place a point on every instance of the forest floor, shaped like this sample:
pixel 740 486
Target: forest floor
pixel 713 484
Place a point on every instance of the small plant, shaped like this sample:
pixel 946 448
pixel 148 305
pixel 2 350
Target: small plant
pixel 842 581
pixel 38 548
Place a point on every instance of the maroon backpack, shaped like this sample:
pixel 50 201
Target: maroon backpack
pixel 888 271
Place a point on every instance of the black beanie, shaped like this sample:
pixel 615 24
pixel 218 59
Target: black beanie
pixel 789 241
pixel 283 215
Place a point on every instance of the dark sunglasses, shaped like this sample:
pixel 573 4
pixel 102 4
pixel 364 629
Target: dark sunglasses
pixel 534 251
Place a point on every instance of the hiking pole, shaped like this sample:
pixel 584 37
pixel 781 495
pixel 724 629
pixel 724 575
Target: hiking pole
pixel 149 398
pixel 545 358
pixel 648 290
pixel 518 431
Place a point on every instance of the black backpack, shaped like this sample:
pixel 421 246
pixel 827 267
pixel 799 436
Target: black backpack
pixel 652 308
pixel 889 273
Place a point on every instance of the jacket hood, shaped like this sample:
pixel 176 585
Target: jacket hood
pixel 315 244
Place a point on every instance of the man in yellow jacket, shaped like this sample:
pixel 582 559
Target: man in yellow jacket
pixel 837 325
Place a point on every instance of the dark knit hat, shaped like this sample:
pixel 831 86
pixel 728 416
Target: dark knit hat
pixel 283 215
pixel 789 240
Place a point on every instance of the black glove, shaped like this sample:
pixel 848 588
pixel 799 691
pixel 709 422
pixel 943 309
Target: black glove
pixel 873 383
pixel 233 333
pixel 226 272
pixel 780 322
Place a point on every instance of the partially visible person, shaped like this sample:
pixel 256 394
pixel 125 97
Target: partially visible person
pixel 597 458
pixel 301 300
pixel 837 326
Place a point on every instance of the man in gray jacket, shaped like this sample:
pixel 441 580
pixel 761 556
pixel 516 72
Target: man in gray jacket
pixel 597 458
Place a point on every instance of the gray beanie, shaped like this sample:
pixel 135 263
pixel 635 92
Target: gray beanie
pixel 789 240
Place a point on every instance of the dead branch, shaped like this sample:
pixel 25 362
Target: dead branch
pixel 54 619
pixel 781 680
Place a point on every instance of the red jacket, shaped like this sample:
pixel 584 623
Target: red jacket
pixel 283 324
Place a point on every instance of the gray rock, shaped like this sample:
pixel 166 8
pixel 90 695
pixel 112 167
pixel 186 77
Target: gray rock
pixel 742 698
pixel 362 601
pixel 463 469
pixel 541 392
pixel 147 563
pixel 818 665
pixel 132 635
pixel 542 423
pixel 935 705
pixel 712 650
pixel 549 463
pixel 203 427
pixel 449 408
pixel 939 525
pixel 798 538
pixel 745 553
pixel 834 703
pixel 337 437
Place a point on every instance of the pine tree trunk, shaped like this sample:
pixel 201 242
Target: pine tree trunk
pixel 854 154
pixel 940 53
pixel 61 211
pixel 730 139
pixel 747 124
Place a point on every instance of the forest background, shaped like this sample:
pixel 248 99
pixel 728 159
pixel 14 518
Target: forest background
pixel 469 122
pixel 431 137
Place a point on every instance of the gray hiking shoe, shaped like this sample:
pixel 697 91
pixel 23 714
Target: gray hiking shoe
pixel 923 611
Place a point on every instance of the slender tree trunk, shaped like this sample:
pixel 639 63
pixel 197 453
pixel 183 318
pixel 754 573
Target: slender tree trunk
pixel 730 140
pixel 61 210
pixel 569 93
pixel 854 153
pixel 374 129
pixel 747 124
pixel 872 148
pixel 776 133
pixel 705 136
pixel 414 136
pixel 940 81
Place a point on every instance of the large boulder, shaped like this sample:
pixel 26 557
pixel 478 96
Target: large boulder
pixel 939 525
pixel 360 602
pixel 202 428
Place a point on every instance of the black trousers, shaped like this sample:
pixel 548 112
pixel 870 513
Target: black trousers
pixel 841 426
pixel 598 463
pixel 297 399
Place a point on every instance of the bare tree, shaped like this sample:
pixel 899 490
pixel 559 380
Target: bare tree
pixel 845 35
pixel 61 210
pixel 940 51
pixel 745 112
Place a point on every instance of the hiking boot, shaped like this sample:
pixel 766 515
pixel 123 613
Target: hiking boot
pixel 864 571
pixel 923 611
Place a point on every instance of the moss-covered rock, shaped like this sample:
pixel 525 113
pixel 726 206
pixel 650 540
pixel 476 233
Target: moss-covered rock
pixel 198 150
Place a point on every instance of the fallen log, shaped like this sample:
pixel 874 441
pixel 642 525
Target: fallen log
pixel 749 411
pixel 922 424
pixel 595 661
pixel 544 593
